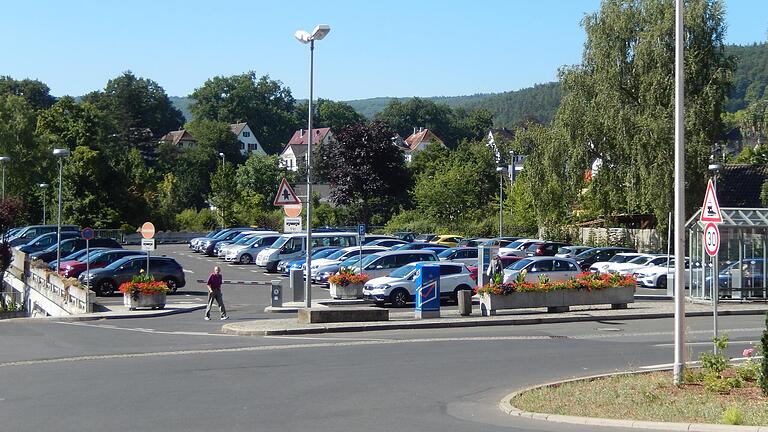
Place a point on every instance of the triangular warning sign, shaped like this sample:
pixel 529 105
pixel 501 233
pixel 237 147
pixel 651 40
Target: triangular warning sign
pixel 286 195
pixel 710 212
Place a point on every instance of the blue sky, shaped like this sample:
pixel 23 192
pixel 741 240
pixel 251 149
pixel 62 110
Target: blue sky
pixel 375 48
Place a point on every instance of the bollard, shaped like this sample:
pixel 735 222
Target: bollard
pixel 277 294
pixel 465 302
pixel 297 284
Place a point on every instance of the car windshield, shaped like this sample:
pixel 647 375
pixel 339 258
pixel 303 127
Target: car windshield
pixel 403 271
pixel 446 253
pixel 520 264
pixel 221 235
pixel 323 253
pixel 243 240
pixel 279 242
pixel 620 258
pixel 369 259
pixel 589 253
pixel 640 260
pixel 336 254
pixel 350 261
pixel 564 250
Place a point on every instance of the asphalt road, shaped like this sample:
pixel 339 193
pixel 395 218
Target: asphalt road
pixel 147 375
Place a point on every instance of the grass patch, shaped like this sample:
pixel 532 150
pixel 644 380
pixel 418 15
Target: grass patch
pixel 648 397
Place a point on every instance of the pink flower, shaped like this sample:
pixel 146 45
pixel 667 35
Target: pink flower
pixel 748 352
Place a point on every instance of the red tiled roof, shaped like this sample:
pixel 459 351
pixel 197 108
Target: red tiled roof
pixel 302 137
pixel 236 128
pixel 424 135
pixel 174 137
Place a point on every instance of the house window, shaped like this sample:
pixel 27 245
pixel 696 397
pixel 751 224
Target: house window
pixel 181 145
pixel 246 134
pixel 242 145
pixel 252 147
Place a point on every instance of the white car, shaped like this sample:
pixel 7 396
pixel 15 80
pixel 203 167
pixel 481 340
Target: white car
pixel 399 287
pixel 341 255
pixel 517 247
pixel 662 275
pixel 619 258
pixel 246 253
pixel 536 268
pixel 571 251
pixel 637 264
pixel 464 255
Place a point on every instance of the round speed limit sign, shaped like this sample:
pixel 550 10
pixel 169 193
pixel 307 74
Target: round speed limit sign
pixel 711 239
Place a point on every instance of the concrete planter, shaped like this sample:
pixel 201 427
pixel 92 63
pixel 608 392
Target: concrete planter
pixel 351 291
pixel 152 301
pixel 558 300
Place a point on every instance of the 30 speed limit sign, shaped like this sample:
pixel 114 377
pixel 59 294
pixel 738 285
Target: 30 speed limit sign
pixel 711 239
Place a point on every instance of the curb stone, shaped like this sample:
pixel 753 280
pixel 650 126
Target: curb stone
pixel 117 315
pixel 505 404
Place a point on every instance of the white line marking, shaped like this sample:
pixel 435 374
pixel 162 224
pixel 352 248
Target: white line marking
pixel 188 271
pixel 706 343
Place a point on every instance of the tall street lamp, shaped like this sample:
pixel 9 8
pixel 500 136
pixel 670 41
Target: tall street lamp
pixel 501 170
pixel 3 161
pixel 221 155
pixel 44 187
pixel 318 33
pixel 61 154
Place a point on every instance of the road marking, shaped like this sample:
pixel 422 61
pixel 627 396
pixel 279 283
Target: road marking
pixel 628 335
pixel 263 348
pixel 695 362
pixel 143 330
pixel 707 343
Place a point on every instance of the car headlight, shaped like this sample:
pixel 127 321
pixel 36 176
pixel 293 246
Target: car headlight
pixel 383 286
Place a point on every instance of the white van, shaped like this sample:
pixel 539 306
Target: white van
pixel 383 263
pixel 294 245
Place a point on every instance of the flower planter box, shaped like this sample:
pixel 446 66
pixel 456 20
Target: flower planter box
pixel 557 300
pixel 152 301
pixel 351 291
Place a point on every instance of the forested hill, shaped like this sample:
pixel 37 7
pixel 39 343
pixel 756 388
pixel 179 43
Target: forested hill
pixel 541 101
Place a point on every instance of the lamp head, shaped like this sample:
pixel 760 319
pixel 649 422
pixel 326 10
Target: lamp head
pixel 43 185
pixel 221 154
pixel 302 36
pixel 501 169
pixel 4 159
pixel 61 152
pixel 321 31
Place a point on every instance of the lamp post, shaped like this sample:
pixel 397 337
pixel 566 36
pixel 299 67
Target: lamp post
pixel 61 154
pixel 221 155
pixel 501 170
pixel 302 36
pixel 3 161
pixel 44 187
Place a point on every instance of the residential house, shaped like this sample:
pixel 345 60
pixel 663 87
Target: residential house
pixel 248 142
pixel 418 141
pixel 180 138
pixel 739 185
pixel 296 149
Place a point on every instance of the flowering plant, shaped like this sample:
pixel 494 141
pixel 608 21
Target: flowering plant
pixel 346 277
pixel 584 281
pixel 143 284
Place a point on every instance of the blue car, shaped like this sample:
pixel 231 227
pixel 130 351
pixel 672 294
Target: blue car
pixel 295 264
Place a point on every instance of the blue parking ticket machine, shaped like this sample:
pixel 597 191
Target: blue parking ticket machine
pixel 427 291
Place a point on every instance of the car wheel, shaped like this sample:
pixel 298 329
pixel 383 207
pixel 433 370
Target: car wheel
pixel 246 259
pixel 661 282
pixel 399 298
pixel 172 285
pixel 105 288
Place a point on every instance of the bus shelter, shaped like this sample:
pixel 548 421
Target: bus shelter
pixel 742 260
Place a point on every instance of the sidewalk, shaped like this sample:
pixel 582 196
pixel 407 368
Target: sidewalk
pixel 404 319
pixel 122 312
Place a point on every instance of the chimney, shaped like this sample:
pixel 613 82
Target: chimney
pixel 301 132
pixel 414 130
pixel 421 128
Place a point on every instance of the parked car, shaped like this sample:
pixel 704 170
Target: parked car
pixel 465 255
pixel 571 251
pixel 74 256
pixel 383 263
pixel 414 246
pixel 662 275
pixel 448 240
pixel 238 239
pixel 387 243
pixel 25 234
pixel 287 265
pixel 500 242
pixel 96 259
pixel 472 242
pixel 221 235
pixel 424 237
pixel 517 247
pixel 751 274
pixel 638 263
pixel 342 254
pixel 405 236
pixel 208 246
pixel 591 256
pixel 552 268
pixel 293 245
pixel 44 241
pixel 544 248
pixel 72 245
pixel 323 273
pixel 247 252
pixel 369 238
pixel 619 258
pixel 105 281
pixel 211 234
pixel 399 287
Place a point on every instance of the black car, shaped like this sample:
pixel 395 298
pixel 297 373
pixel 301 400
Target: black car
pixel 45 241
pixel 105 281
pixel 25 234
pixel 591 256
pixel 73 245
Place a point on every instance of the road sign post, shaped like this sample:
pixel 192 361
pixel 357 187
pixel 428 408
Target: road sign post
pixel 148 232
pixel 711 215
pixel 360 239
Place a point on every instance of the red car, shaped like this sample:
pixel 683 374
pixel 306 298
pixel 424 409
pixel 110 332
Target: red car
pixel 97 259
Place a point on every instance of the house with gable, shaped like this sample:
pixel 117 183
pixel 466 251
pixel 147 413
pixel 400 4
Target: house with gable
pixel 296 149
pixel 181 139
pixel 418 141
pixel 248 142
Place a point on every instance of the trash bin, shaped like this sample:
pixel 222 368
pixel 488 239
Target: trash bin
pixel 465 302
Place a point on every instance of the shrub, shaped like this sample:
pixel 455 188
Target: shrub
pixel 732 416
pixel 716 384
pixel 715 363
pixel 748 371
pixel 763 378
